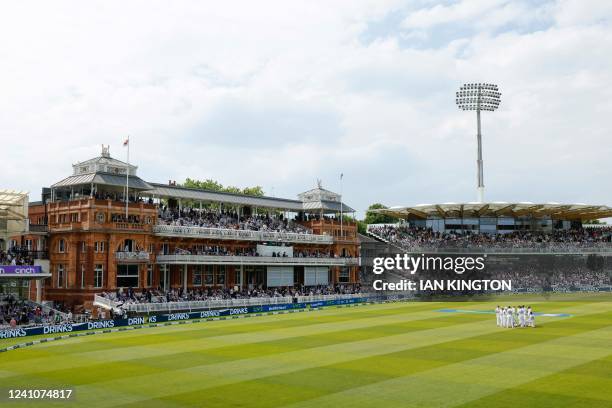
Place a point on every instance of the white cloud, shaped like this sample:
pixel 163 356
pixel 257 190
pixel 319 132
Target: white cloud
pixel 278 95
pixel 445 14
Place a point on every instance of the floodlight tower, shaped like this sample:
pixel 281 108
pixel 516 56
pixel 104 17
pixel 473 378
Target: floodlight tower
pixel 478 97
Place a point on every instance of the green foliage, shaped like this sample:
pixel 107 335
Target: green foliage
pixel 594 222
pixel 378 218
pixel 214 185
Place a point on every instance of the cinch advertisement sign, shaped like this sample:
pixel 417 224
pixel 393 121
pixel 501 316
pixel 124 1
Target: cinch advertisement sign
pixel 20 270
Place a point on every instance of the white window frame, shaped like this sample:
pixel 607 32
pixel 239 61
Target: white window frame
pixel 98 268
pixel 197 271
pixel 82 276
pixel 60 275
pixel 149 275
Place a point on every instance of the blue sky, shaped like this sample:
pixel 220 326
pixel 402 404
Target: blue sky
pixel 279 94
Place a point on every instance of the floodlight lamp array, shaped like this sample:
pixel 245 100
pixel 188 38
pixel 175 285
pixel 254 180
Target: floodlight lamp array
pixel 478 96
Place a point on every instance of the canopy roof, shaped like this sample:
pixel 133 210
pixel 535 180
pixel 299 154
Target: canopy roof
pixel 210 196
pixel 13 204
pixel 559 211
pixel 327 206
pixel 103 179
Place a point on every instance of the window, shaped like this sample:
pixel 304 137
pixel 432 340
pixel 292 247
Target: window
pixel 61 246
pixel 238 278
pixel 83 246
pixel 197 275
pixel 82 276
pixel 28 243
pixel 100 217
pixel 162 275
pixel 74 217
pixel 208 275
pixel 149 275
pixel 220 275
pixel 102 246
pixel 127 276
pixel 96 247
pixel 98 275
pixel 151 248
pixel 60 276
pixel 344 275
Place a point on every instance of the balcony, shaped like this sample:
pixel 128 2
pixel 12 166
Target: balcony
pixel 29 253
pixel 128 226
pixel 132 257
pixel 244 235
pixel 38 228
pixel 253 260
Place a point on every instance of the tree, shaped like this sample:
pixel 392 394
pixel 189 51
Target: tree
pixel 594 222
pixel 214 185
pixel 378 218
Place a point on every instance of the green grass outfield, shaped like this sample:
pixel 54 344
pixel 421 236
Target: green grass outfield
pixel 386 355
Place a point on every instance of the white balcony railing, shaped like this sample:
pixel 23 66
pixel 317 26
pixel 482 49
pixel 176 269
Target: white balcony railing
pixel 234 234
pixel 132 256
pixel 223 303
pixel 105 302
pixel 253 260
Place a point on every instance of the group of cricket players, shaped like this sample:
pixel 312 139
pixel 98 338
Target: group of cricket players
pixel 512 317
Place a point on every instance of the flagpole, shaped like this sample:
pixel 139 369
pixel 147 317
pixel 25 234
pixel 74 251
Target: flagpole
pixel 341 209
pixel 127 180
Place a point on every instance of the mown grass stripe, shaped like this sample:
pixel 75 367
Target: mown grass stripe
pixel 463 382
pixel 233 372
pixel 327 380
pixel 144 346
pixel 202 357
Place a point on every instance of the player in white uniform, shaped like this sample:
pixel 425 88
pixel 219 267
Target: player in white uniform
pixel 530 317
pixel 521 315
pixel 498 316
pixel 510 317
pixel 503 317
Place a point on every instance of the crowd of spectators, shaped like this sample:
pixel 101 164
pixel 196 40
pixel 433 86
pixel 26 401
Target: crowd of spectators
pixel 528 277
pixel 132 296
pixel 252 251
pixel 189 217
pixel 558 279
pixel 15 313
pixel 413 238
pixel 16 256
